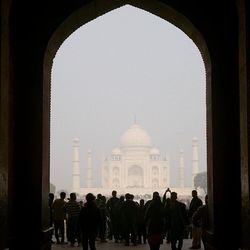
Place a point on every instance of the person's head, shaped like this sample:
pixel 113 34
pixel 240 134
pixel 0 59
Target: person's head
pixel 90 197
pixel 194 193
pixel 173 196
pixel 127 196
pixel 103 198
pixel 51 198
pixel 122 198
pixel 62 195
pixel 157 199
pixel 141 202
pixel 114 193
pixel 206 199
pixel 72 196
pixel 99 196
pixel 156 194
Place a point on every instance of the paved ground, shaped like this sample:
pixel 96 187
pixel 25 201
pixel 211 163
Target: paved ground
pixel 120 246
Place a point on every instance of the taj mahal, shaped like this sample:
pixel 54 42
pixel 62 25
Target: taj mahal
pixel 133 167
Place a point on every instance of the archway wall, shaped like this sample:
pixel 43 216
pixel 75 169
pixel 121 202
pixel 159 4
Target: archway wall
pixel 36 29
pixel 244 81
pixel 5 124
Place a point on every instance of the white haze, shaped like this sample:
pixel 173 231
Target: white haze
pixel 123 64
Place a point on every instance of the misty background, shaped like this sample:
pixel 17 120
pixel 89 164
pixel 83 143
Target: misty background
pixel 127 63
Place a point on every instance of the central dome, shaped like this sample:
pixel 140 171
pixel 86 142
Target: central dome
pixel 135 136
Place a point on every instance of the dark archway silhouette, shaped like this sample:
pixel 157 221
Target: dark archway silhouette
pixel 31 33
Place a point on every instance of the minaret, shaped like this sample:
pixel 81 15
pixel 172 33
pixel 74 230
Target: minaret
pixel 168 170
pixel 181 169
pixel 89 170
pixel 195 159
pixel 76 167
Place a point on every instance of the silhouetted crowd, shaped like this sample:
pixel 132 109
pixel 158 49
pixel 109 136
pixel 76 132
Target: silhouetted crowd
pixel 126 221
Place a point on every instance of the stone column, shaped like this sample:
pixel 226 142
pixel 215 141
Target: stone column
pixel 168 172
pixel 89 170
pixel 181 176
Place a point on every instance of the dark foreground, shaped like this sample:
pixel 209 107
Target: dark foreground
pixel 111 246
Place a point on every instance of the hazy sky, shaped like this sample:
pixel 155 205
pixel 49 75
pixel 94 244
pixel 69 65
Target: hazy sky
pixel 124 64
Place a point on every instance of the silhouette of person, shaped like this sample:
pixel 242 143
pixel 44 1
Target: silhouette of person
pixel 155 220
pixel 119 218
pixel 177 219
pixel 101 204
pixel 167 224
pixel 72 209
pixel 149 201
pixel 113 225
pixel 89 221
pixel 51 200
pixel 51 220
pixel 196 202
pixel 129 214
pixel 141 226
pixel 201 217
pixel 59 217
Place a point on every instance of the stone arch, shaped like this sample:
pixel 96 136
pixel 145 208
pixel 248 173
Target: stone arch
pixel 135 176
pixel 115 183
pixel 106 176
pixel 155 171
pixel 95 9
pixel 155 183
pixel 223 112
pixel 116 172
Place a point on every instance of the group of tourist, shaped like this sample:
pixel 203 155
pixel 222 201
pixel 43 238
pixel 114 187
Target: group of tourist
pixel 125 220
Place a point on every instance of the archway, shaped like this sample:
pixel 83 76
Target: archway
pixel 91 11
pixel 169 12
pixel 135 176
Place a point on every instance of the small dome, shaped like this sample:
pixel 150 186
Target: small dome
pixel 76 140
pixel 154 151
pixel 195 139
pixel 135 136
pixel 116 151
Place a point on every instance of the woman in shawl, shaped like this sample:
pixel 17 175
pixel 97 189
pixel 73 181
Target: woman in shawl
pixel 155 220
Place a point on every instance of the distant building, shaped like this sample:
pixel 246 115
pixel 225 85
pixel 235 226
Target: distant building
pixel 135 167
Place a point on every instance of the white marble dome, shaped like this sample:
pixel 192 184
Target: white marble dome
pixel 76 140
pixel 135 136
pixel 194 139
pixel 116 151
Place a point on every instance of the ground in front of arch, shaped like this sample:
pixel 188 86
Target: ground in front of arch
pixel 110 245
